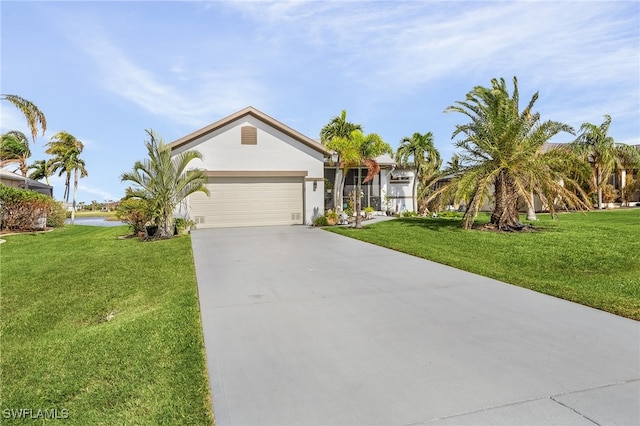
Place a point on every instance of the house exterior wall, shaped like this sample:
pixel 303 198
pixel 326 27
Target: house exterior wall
pixel 399 193
pixel 274 152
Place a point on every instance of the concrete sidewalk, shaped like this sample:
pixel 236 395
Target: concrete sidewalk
pixel 303 326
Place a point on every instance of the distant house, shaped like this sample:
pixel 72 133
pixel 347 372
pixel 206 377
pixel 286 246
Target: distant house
pixel 19 181
pixel 617 180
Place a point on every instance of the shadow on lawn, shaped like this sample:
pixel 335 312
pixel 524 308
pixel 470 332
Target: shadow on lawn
pixel 455 224
pixel 431 223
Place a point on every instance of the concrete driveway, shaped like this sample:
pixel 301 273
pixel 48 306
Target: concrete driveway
pixel 303 326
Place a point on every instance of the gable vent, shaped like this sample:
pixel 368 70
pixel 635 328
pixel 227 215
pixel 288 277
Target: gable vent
pixel 249 135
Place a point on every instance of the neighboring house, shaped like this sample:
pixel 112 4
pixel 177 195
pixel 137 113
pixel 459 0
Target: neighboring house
pixel 260 172
pixel 18 181
pixel 389 190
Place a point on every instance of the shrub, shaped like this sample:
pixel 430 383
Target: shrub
pixel 369 210
pixel 136 213
pixel 409 214
pixel 450 214
pixel 320 220
pixel 57 215
pixel 182 225
pixel 22 209
pixel 609 193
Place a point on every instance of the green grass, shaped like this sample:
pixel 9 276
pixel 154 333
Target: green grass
pixel 592 259
pixel 107 329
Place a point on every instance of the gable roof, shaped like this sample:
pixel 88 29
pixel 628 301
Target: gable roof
pixel 272 122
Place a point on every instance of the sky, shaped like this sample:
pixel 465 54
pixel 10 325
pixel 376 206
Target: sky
pixel 106 71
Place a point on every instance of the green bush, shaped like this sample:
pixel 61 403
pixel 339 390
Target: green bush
pixel 409 214
pixel 182 225
pixel 320 220
pixel 136 213
pixel 450 214
pixel 57 215
pixel 22 209
pixel 368 209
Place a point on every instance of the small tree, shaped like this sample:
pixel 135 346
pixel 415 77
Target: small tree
pixel 630 187
pixel 356 151
pixel 163 181
pixel 135 212
pixel 338 128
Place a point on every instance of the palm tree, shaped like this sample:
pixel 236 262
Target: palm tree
pixel 356 151
pixel 34 116
pixel 430 173
pixel 41 170
pixel 14 149
pixel 418 152
pixel 66 150
pixel 594 145
pixel 502 153
pixel 338 127
pixel 163 181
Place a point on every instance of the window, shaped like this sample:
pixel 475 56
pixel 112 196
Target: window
pixel 400 177
pixel 249 135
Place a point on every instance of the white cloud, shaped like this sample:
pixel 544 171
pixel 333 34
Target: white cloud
pixel 103 194
pixel 208 96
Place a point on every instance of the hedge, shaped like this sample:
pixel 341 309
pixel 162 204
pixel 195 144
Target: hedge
pixel 22 209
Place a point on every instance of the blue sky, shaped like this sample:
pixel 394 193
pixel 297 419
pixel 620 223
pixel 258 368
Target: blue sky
pixel 106 71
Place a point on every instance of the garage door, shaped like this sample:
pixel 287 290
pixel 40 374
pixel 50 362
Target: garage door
pixel 249 201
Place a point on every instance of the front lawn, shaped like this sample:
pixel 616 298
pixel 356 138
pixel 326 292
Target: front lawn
pixel 106 329
pixel 592 259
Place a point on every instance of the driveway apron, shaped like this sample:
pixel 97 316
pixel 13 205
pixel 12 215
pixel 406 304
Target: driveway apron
pixel 303 326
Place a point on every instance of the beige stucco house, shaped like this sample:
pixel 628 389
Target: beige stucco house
pixel 260 171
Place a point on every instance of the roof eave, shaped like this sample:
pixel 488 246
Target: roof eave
pixel 260 116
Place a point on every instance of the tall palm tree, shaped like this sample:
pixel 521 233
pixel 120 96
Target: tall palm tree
pixel 338 127
pixel 42 169
pixel 66 150
pixel 594 145
pixel 502 156
pixel 34 116
pixel 164 181
pixel 360 150
pixel 418 152
pixel 430 173
pixel 14 149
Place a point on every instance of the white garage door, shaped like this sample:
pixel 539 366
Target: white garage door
pixel 249 201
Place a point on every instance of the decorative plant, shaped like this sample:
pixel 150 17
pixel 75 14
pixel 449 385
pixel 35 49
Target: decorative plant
pixel 332 217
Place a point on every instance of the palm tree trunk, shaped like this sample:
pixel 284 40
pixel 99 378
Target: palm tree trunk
pixel 338 189
pixel 358 224
pixel 75 193
pixel 599 186
pixel 531 209
pixel 415 189
pixel 505 215
pixel 67 184
pixel 472 210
